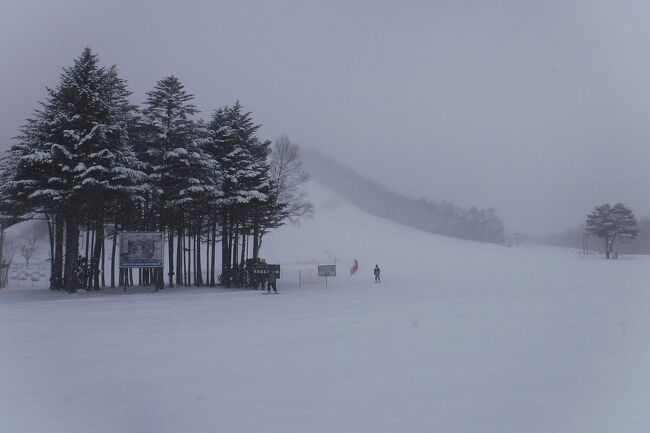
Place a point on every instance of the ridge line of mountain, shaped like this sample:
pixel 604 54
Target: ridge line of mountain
pixel 442 218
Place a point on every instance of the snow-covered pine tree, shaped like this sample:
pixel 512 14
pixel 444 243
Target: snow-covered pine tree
pixel 109 174
pixel 245 181
pixel 256 185
pixel 103 170
pixel 33 178
pixel 73 159
pixel 182 175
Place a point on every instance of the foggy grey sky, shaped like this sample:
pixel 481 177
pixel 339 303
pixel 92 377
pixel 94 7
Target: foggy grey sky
pixel 539 109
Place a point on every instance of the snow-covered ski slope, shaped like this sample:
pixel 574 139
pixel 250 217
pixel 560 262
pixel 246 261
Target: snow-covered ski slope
pixel 460 337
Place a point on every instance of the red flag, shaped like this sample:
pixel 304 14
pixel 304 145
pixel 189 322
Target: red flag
pixel 355 267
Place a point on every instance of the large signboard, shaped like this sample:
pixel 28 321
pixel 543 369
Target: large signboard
pixel 141 249
pixel 327 270
pixel 263 270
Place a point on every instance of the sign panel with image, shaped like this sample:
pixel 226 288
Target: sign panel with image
pixel 141 250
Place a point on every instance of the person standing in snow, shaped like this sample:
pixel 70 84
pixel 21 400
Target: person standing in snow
pixel 270 282
pixel 377 271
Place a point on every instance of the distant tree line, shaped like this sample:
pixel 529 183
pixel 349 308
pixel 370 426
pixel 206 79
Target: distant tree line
pixel 94 164
pixel 443 218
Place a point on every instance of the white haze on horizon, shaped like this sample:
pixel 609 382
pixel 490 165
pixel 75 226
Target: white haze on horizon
pixel 539 110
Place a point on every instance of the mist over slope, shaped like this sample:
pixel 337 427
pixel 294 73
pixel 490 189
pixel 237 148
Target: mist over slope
pixel 436 217
pixel 340 232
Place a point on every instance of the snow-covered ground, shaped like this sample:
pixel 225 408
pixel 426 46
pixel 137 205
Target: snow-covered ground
pixel 460 337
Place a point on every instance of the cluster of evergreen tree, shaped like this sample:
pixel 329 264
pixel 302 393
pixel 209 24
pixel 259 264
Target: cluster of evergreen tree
pixel 95 164
pixel 612 223
pixel 615 224
pixel 443 218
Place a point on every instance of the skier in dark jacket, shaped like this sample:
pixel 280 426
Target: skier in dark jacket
pixel 377 271
pixel 270 282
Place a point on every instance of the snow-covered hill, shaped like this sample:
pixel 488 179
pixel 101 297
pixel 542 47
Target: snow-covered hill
pixel 460 337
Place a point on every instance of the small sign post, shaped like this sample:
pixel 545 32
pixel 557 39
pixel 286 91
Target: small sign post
pixel 326 271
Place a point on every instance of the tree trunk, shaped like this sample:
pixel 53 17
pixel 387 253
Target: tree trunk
pixel 179 257
pixel 170 256
pixel 189 248
pixel 191 254
pixel 198 277
pixel 57 268
pixel 260 241
pixel 187 265
pixel 86 273
pixel 98 240
pixel 225 251
pixel 207 254
pixel 50 231
pixel 231 246
pixel 214 251
pixel 103 263
pixel 610 254
pixel 235 252
pixel 113 253
pixel 256 233
pixel 71 282
pixel 242 260
pixel 160 279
